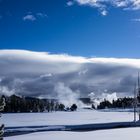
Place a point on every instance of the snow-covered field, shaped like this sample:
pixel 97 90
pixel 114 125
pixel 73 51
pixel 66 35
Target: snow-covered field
pixel 71 118
pixel 115 134
pixel 65 118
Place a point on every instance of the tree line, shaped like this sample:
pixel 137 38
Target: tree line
pixel 126 102
pixel 15 104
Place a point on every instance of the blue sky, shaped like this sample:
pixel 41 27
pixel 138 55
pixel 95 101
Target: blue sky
pixel 76 27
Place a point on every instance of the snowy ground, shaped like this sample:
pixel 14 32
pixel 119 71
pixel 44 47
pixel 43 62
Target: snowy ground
pixel 115 134
pixel 65 118
pixel 72 118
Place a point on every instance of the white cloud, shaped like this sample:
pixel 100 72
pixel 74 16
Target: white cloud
pixel 118 61
pixel 46 57
pixel 135 4
pixel 70 3
pixel 104 12
pixel 43 56
pixel 102 5
pixel 89 2
pixel 29 17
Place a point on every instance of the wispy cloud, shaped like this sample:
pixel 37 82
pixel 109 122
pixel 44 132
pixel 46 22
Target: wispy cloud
pixel 29 17
pixel 41 15
pixel 33 17
pixel 70 3
pixel 136 19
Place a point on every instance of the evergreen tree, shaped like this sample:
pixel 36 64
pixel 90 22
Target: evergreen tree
pixel 61 107
pixel 73 107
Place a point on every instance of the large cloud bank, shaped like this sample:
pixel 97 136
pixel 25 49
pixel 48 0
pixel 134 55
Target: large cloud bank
pixel 42 74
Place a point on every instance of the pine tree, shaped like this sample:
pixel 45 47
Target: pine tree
pixel 73 107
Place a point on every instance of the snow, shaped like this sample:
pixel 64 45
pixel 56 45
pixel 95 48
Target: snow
pixel 65 118
pixel 72 118
pixel 115 134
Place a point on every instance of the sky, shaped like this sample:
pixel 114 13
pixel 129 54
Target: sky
pixel 100 28
pixel 69 48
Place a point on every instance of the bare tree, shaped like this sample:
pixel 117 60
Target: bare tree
pixel 2 105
